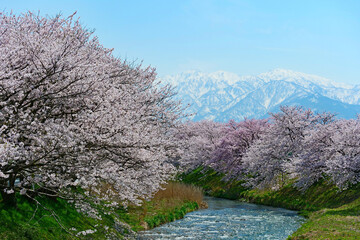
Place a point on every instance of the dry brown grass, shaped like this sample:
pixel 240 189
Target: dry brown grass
pixel 172 195
pixel 181 191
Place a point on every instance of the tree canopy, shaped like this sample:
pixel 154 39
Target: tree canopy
pixel 73 115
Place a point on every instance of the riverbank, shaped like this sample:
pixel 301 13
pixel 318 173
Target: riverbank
pixel 169 204
pixel 229 219
pixel 26 221
pixel 331 214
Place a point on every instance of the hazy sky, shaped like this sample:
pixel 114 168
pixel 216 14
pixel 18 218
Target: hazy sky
pixel 246 37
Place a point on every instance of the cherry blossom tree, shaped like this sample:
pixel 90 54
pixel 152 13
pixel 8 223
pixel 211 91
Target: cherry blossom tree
pixel 73 115
pixel 331 151
pixel 270 158
pixel 237 137
pixel 344 164
pixel 295 143
pixel 199 140
pixel 311 164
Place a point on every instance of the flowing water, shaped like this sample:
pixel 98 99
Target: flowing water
pixel 226 219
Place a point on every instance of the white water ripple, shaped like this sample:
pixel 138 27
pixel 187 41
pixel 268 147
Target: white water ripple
pixel 226 219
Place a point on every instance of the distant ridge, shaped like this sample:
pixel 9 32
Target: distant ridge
pixel 222 96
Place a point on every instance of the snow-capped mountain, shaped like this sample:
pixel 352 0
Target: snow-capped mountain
pixel 222 95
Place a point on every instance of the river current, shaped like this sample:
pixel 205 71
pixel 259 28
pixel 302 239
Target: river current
pixel 227 219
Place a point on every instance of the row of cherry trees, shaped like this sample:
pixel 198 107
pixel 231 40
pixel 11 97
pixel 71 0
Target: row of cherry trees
pixel 73 115
pixel 295 143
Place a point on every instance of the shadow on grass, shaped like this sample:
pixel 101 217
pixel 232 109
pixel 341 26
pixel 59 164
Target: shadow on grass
pixel 352 211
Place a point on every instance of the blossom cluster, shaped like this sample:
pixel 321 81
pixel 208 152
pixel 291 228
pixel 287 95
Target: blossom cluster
pixel 74 116
pixel 295 143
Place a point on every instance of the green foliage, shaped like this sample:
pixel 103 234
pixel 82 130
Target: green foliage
pixel 28 222
pixel 336 223
pixel 213 183
pixel 170 215
pixel 320 195
pixel 154 213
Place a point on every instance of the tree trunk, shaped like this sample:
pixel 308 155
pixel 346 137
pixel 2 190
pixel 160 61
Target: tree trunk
pixel 9 200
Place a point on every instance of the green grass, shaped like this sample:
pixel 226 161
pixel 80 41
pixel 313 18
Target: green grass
pixel 213 184
pixel 332 214
pixel 336 223
pixel 27 222
pixel 168 204
pixel 319 196
pixel 164 215
pixel 19 223
pixel 155 213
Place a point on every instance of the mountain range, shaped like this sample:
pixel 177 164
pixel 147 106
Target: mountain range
pixel 222 96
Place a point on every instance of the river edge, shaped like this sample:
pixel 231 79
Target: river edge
pixel 155 219
pixel 121 224
pixel 330 214
pixel 230 219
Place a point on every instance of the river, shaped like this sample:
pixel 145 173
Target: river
pixel 227 219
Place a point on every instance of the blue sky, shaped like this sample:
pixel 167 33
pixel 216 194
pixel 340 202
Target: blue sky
pixel 246 37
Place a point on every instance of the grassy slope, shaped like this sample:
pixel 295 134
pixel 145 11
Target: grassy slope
pixel 332 214
pixel 155 213
pixel 212 183
pixel 334 223
pixel 18 223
